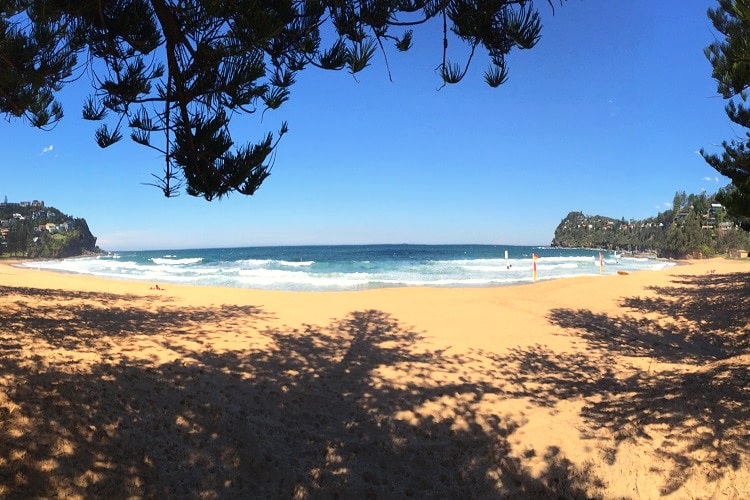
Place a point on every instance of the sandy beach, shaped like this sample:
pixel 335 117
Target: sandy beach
pixel 633 386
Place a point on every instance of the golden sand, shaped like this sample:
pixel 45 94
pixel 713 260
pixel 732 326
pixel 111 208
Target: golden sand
pixel 631 386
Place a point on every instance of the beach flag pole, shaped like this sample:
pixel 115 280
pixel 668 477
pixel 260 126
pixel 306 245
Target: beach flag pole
pixel 601 263
pixel 533 258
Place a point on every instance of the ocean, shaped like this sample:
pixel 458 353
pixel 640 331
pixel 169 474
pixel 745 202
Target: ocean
pixel 352 267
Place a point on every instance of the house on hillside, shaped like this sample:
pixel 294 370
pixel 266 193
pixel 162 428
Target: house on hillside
pixel 680 217
pixel 714 214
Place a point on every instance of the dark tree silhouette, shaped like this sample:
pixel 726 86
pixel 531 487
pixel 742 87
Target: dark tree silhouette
pixel 729 57
pixel 175 73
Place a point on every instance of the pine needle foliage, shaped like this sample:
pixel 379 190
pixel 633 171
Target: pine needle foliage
pixel 729 56
pixel 175 71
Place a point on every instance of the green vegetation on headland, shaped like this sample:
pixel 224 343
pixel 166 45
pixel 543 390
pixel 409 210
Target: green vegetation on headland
pixel 696 226
pixel 31 230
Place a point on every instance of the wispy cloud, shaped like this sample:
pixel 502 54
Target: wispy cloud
pixel 711 179
pixel 47 149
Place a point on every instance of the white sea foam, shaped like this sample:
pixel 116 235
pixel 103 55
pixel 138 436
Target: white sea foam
pixel 108 256
pixel 172 261
pixel 253 262
pixel 293 271
pixel 296 264
pixel 579 258
pixel 275 278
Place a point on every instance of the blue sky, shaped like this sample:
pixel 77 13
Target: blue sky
pixel 605 116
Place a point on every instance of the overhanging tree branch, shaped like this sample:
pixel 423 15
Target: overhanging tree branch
pixel 210 60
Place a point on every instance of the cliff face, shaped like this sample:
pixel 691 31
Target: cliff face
pixel 33 230
pixel 577 230
pixel 697 225
pixel 78 241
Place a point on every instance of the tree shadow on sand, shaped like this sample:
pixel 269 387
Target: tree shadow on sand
pixel 74 319
pixel 692 411
pixel 355 409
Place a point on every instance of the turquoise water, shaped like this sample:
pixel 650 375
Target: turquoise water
pixel 352 267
